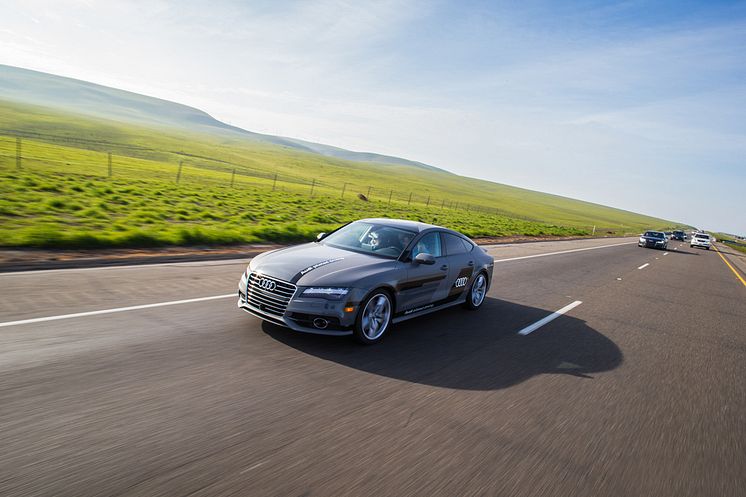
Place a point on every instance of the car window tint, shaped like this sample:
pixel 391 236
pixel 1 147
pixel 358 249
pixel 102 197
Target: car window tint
pixel 428 244
pixel 454 245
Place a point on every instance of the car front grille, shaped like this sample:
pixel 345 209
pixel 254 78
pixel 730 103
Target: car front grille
pixel 269 295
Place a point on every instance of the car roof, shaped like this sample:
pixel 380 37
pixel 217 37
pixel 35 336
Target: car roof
pixel 406 224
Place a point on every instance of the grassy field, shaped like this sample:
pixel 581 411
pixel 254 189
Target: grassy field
pixel 66 210
pixel 739 245
pixel 62 196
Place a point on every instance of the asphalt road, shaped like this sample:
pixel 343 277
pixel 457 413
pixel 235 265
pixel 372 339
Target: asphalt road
pixel 640 390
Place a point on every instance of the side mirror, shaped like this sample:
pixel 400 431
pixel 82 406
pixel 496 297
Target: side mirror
pixel 320 237
pixel 423 258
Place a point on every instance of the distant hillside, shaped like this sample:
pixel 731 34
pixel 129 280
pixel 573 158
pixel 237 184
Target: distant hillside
pixel 81 97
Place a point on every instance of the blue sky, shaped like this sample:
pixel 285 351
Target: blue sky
pixel 638 105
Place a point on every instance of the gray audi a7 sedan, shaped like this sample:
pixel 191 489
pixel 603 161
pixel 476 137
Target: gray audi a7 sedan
pixel 364 276
pixel 653 239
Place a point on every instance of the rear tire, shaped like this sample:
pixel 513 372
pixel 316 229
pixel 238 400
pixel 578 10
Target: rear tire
pixel 477 293
pixel 374 317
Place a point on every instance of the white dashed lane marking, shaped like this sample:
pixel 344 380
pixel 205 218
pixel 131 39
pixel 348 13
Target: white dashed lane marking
pixel 533 327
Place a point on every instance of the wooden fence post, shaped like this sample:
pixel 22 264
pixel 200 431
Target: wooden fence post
pixel 18 152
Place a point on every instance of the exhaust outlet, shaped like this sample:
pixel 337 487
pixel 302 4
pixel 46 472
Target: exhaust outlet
pixel 320 323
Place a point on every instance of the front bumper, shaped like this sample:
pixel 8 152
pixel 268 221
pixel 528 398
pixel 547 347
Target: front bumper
pixel 301 313
pixel 652 244
pixel 287 322
pixel 699 244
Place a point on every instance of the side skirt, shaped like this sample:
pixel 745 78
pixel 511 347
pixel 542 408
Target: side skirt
pixel 399 319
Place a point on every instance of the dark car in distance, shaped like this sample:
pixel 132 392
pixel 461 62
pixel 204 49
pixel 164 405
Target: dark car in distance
pixel 678 235
pixel 653 239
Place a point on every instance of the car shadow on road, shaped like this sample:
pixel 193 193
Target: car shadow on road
pixel 675 251
pixel 456 348
pixel 688 251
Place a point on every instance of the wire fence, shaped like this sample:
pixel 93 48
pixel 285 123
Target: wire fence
pixel 53 154
pixel 48 153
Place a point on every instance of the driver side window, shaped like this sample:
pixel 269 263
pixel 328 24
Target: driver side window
pixel 428 244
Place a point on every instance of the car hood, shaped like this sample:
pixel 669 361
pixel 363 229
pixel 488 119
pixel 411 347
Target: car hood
pixel 653 239
pixel 318 264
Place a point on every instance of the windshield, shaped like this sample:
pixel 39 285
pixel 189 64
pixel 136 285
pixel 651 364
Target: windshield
pixel 654 234
pixel 704 237
pixel 370 238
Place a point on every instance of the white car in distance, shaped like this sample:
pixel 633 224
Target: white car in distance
pixel 700 240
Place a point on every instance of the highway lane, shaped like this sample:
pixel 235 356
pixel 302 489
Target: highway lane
pixel 637 391
pixel 46 293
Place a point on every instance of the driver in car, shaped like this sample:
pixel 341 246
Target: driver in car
pixel 404 239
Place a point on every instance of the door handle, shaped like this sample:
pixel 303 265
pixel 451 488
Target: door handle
pixel 444 267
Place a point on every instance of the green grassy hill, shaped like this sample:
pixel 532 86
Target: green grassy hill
pixel 82 97
pixel 230 188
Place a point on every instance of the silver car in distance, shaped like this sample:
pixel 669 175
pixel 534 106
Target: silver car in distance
pixel 364 276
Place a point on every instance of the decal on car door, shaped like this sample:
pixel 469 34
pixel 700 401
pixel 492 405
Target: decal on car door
pixel 459 285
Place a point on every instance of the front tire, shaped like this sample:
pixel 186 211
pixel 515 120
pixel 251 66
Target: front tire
pixel 374 318
pixel 477 293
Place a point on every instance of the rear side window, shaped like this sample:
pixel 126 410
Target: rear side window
pixel 454 244
pixel 428 244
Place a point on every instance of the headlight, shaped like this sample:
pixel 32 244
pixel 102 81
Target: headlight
pixel 328 293
pixel 642 240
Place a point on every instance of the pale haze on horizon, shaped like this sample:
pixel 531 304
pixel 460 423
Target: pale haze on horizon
pixel 634 105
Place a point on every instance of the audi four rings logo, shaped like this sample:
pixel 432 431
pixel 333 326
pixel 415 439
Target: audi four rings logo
pixel 461 282
pixel 266 284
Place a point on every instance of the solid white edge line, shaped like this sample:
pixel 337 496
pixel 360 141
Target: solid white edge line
pixel 531 328
pixel 644 265
pixel 212 262
pixel 561 252
pixel 110 311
